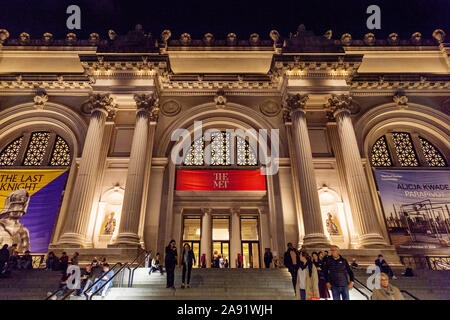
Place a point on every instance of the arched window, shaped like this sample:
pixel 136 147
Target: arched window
pixel 221 148
pixel 37 149
pixel 402 149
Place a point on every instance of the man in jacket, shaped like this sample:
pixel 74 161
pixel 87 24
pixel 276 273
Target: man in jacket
pixel 291 261
pixel 337 271
pixel 187 260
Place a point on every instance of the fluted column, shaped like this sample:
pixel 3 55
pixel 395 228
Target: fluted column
pixel 75 230
pixel 368 227
pixel 206 236
pixel 131 209
pixel 235 241
pixel 309 196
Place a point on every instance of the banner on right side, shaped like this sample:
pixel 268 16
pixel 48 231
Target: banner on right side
pixel 416 206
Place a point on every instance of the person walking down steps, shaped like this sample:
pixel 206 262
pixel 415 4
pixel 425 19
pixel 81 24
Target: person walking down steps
pixel 187 260
pixel 171 262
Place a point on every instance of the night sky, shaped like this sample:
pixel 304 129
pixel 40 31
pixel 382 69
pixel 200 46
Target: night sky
pixel 242 17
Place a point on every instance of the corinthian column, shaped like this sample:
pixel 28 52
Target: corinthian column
pixel 235 241
pixel 76 225
pixel 129 220
pixel 369 229
pixel 309 196
pixel 206 236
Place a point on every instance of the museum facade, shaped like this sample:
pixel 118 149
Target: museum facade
pixel 355 133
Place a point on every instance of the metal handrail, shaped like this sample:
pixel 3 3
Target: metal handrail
pixel 131 276
pixel 131 263
pixel 87 290
pixel 365 295
pixel 53 293
pixel 68 294
pixel 95 282
pixel 409 294
pixel 89 297
pixel 371 291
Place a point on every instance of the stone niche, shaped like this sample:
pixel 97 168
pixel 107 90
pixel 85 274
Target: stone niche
pixel 333 217
pixel 108 217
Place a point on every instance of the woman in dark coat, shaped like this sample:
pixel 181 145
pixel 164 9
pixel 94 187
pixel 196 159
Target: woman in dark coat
pixel 323 291
pixel 187 260
pixel 171 262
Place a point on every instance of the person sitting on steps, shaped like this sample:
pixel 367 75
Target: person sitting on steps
pixel 156 265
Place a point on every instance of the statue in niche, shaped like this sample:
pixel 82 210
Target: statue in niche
pixel 332 227
pixel 109 224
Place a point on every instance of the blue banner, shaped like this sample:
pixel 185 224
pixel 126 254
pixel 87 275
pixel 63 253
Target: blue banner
pixel 30 201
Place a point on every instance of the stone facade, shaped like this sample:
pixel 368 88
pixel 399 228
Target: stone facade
pixel 117 101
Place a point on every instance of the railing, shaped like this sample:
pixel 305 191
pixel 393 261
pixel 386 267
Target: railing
pixel 95 282
pixel 89 297
pixel 409 294
pixel 70 291
pixel 131 272
pixel 427 262
pixel 368 289
pixel 360 291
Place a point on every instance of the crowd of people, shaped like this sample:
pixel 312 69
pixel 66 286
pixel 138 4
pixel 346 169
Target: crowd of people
pixel 313 277
pixel 93 276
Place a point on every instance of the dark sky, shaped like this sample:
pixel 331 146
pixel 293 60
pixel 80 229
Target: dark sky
pixel 219 17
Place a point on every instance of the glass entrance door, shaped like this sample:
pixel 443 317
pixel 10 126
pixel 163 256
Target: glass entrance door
pixel 221 249
pixel 191 236
pixel 250 241
pixel 220 241
pixel 250 254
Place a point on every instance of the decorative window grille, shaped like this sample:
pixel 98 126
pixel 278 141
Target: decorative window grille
pixel 380 156
pixel 405 150
pixel 9 154
pixel 40 150
pixel 221 147
pixel 61 153
pixel 36 149
pixel 432 155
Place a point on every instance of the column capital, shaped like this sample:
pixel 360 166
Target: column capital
pixel 339 103
pixel 206 211
pixel 103 103
pixel 148 103
pixel 235 211
pixel 296 102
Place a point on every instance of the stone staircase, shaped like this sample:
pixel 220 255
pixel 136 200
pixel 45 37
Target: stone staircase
pixel 425 285
pixel 209 284
pixel 214 284
pixel 29 284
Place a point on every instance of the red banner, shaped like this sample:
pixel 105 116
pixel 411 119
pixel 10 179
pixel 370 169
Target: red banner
pixel 220 180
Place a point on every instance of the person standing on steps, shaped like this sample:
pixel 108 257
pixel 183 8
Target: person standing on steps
pixel 337 271
pixel 187 260
pixel 268 257
pixel 203 261
pixel 323 291
pixel 171 262
pixel 307 279
pixel 291 261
